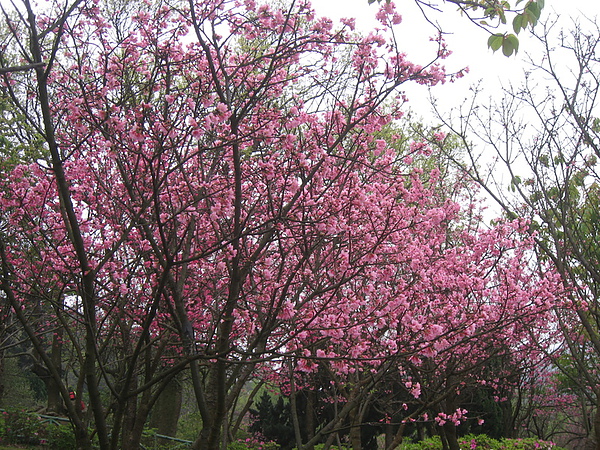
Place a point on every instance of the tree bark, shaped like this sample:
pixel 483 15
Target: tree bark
pixel 310 417
pixel 451 437
pixel 355 435
pixel 166 410
pixel 55 402
pixel 389 434
pixel 597 423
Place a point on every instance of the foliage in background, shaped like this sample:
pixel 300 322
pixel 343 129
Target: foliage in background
pixel 22 427
pixel 483 442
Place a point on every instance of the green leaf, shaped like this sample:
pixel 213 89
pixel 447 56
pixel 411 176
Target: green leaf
pixel 591 161
pixel 502 16
pixel 534 11
pixel 495 41
pixel 510 44
pixel 490 12
pixel 518 24
pixel 579 177
pixel 559 159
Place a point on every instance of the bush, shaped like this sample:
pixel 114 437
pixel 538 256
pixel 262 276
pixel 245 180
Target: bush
pixel 479 441
pixel 333 447
pixel 484 442
pixel 189 426
pixel 21 427
pixel 60 437
pixel 527 444
pixel 252 444
pixel 433 443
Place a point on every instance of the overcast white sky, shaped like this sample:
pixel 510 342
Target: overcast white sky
pixel 467 42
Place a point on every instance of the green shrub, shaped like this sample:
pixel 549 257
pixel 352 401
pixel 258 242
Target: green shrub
pixel 251 444
pixel 60 437
pixel 333 447
pixel 433 443
pixel 189 426
pixel 527 444
pixel 479 441
pixel 21 427
pixel 483 442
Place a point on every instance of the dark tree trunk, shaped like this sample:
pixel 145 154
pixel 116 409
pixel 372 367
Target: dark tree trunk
pixel 355 435
pixel 166 410
pixel 389 434
pixel 451 437
pixel 134 436
pixel 55 402
pixel 310 417
pixel 597 424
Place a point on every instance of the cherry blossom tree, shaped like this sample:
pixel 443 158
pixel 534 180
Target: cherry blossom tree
pixel 451 297
pixel 216 198
pixel 189 207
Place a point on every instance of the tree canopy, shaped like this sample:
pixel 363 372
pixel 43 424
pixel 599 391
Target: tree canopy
pixel 220 193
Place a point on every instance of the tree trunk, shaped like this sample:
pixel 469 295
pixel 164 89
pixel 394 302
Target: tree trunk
pixel 294 408
pixel 451 438
pixel 597 423
pixel 508 416
pixel 310 417
pixel 2 370
pixel 389 434
pixel 134 436
pixel 55 402
pixel 355 438
pixel 421 431
pixel 4 324
pixel 212 420
pixel 166 410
